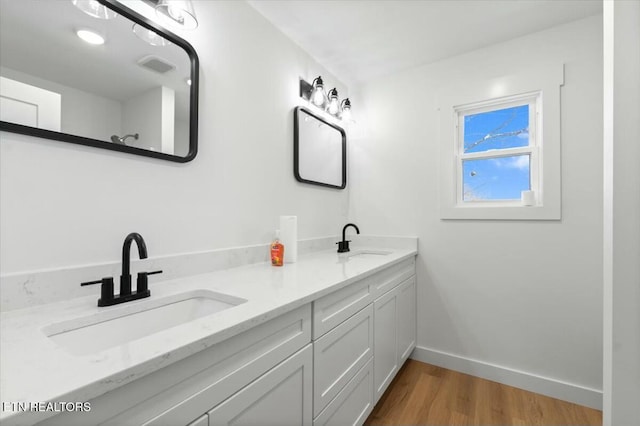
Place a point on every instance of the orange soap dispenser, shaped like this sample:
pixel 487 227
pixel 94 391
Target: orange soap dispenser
pixel 277 251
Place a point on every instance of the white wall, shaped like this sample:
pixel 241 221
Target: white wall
pixel 621 213
pixel 181 137
pixel 144 114
pixel 63 204
pixel 79 108
pixel 495 296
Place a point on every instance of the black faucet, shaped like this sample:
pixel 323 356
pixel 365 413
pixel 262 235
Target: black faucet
pixel 343 246
pixel 107 298
pixel 125 278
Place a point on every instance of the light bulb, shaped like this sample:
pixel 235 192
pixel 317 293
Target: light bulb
pixel 334 105
pixel 149 36
pixel 346 110
pixel 346 114
pixel 318 96
pixel 177 13
pixel 95 9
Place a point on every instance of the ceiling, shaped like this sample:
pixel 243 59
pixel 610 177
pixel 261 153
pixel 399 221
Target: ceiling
pixel 359 40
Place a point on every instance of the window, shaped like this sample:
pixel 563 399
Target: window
pixel 497 152
pixel 499 138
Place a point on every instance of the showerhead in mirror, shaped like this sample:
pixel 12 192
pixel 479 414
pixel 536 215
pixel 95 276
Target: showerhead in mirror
pixel 121 140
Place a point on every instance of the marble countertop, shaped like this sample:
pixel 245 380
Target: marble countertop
pixel 36 369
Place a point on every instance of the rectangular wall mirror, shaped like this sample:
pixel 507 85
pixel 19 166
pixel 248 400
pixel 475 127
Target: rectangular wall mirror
pixel 319 150
pixel 134 91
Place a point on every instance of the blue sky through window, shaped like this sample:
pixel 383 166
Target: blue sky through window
pixel 501 178
pixel 498 129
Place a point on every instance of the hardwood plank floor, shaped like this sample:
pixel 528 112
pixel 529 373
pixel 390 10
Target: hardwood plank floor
pixel 423 394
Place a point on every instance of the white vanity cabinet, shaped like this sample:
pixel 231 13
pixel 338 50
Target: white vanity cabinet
pixel 324 363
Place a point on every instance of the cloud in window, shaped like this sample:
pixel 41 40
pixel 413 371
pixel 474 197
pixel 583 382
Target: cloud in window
pixel 520 162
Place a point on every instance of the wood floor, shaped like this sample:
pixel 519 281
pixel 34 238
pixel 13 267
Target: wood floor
pixel 423 394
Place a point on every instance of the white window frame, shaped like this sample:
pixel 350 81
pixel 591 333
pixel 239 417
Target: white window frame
pixel 539 86
pixel 533 150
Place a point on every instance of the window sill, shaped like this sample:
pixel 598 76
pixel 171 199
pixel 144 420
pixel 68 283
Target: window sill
pixel 500 213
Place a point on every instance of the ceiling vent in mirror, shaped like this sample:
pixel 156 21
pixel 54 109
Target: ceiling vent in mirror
pixel 156 64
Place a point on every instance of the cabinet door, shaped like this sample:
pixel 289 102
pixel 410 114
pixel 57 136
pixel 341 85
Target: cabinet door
pixel 353 404
pixel 406 319
pixel 281 397
pixel 385 359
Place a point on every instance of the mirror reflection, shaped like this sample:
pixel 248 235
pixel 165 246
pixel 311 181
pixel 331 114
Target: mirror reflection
pixel 104 78
pixel 319 151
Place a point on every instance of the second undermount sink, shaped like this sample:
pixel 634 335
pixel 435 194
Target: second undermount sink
pixel 118 326
pixel 368 253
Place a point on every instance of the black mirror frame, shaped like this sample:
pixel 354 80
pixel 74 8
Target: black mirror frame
pixel 296 149
pixel 96 143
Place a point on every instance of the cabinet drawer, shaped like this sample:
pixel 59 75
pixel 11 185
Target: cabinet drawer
pixel 389 278
pixel 279 398
pixel 334 308
pixel 339 355
pixel 353 404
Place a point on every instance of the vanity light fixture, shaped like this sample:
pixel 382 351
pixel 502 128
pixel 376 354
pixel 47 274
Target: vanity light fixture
pixel 94 8
pixel 177 13
pixel 90 37
pixel 315 95
pixel 149 36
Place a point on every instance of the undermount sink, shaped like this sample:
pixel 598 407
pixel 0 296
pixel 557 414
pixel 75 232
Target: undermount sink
pixel 368 253
pixel 124 324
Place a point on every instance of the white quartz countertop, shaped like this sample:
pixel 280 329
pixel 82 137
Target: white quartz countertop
pixel 36 369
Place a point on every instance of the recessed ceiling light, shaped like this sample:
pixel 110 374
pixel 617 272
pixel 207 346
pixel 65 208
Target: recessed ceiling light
pixel 188 80
pixel 90 37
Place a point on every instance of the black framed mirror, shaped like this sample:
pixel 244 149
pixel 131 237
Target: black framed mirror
pixel 319 150
pixel 137 92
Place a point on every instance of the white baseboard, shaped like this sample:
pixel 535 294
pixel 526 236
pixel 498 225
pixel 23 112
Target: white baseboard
pixel 519 379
